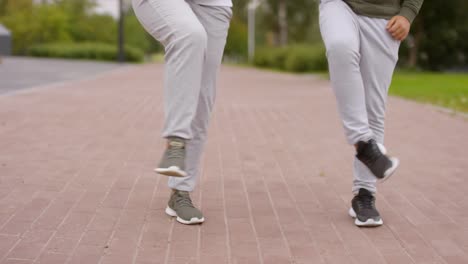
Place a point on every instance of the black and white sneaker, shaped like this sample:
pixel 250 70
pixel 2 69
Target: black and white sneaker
pixel 364 211
pixel 374 156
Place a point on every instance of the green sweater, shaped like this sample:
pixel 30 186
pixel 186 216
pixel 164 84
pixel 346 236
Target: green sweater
pixel 386 8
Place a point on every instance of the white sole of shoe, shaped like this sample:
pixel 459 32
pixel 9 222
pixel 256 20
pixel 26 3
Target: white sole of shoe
pixel 391 170
pixel 368 223
pixel 395 164
pixel 172 171
pixel 192 221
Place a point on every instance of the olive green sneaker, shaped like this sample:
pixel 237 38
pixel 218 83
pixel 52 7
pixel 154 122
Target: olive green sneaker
pixel 173 160
pixel 180 206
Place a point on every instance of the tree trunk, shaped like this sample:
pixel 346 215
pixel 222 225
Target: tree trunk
pixel 414 49
pixel 283 22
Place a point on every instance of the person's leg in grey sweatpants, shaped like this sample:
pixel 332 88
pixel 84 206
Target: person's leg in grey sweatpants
pixel 362 56
pixel 179 29
pixel 379 55
pixel 215 20
pixel 194 37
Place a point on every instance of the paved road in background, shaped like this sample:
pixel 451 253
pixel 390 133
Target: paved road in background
pixel 77 182
pixel 18 73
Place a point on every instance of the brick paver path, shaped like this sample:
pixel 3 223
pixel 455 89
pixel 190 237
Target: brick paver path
pixel 77 184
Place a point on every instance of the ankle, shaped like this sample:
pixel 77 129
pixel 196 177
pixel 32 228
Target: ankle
pixel 175 138
pixel 175 142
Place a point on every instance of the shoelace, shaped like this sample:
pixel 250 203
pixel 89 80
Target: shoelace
pixel 366 202
pixel 175 152
pixel 183 200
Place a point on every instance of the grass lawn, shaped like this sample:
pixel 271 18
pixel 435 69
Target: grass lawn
pixel 449 90
pixel 446 90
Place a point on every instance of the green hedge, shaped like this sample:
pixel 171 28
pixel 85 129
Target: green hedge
pixel 236 45
pixel 294 58
pixel 92 51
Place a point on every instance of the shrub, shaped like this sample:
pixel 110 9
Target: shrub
pixel 93 28
pixel 94 51
pixel 34 24
pixel 271 58
pixel 295 58
pixel 62 21
pixel 306 59
pixel 236 45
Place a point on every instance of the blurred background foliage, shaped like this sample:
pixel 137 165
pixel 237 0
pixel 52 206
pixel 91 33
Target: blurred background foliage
pixel 287 38
pixel 36 25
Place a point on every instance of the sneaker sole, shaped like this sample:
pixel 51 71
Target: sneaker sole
pixel 172 171
pixel 391 170
pixel 192 221
pixel 368 223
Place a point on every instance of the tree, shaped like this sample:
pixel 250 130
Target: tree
pixel 290 21
pixel 240 10
pixel 33 24
pixel 3 4
pixel 236 46
pixel 76 8
pixel 94 28
pixel 283 22
pixel 438 36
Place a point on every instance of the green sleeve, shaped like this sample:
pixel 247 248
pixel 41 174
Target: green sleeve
pixel 410 9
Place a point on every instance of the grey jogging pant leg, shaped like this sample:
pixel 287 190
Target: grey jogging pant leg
pixel 194 37
pixel 362 56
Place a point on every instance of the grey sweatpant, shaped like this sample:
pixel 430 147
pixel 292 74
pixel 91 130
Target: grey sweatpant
pixel 194 37
pixel 362 56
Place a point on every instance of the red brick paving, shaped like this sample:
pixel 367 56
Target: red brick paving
pixel 77 184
